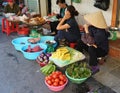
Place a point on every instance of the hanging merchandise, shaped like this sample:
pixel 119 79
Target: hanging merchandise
pixel 76 1
pixel 102 4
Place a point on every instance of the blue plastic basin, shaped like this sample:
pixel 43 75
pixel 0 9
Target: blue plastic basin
pixel 20 42
pixel 33 55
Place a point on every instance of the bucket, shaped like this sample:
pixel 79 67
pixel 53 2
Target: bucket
pixel 23 31
pixel 113 33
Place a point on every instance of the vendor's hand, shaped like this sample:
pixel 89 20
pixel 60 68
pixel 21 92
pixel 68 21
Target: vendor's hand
pixel 52 14
pixel 59 19
pixel 92 45
pixel 86 28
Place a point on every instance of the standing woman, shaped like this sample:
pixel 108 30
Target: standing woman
pixel 96 38
pixel 68 28
pixel 12 8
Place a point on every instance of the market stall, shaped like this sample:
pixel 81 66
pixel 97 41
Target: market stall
pixel 52 59
pixel 43 49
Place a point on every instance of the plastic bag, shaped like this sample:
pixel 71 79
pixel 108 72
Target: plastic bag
pixel 87 39
pixel 102 4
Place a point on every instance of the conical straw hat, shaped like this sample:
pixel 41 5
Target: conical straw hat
pixel 96 19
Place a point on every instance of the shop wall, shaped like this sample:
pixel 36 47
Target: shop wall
pixel 119 11
pixel 86 6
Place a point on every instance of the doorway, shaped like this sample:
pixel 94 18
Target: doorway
pixel 119 13
pixel 49 6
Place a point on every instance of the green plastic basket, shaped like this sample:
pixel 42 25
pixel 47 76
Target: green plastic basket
pixel 76 1
pixel 77 81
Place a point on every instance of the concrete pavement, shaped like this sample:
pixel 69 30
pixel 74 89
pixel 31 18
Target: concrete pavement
pixel 18 75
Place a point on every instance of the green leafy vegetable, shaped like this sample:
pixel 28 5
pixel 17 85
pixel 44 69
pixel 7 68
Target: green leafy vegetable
pixel 78 71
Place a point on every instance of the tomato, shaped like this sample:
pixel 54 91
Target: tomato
pixel 61 82
pixel 65 79
pixel 53 73
pixel 61 77
pixel 53 80
pixel 49 82
pixel 49 77
pixel 58 72
pixel 46 78
pixel 54 76
pixel 64 76
pixel 57 79
pixel 55 84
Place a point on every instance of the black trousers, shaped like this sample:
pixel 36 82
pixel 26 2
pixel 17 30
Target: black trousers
pixel 53 26
pixel 93 52
pixel 66 35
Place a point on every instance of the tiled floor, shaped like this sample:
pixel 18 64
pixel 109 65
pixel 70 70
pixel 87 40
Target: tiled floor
pixel 109 74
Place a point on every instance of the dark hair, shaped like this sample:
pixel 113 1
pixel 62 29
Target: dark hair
pixel 72 11
pixel 60 1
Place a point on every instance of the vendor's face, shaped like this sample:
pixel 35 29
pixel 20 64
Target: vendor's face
pixel 67 13
pixel 11 3
pixel 61 5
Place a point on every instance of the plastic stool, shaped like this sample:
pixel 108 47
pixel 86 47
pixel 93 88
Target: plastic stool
pixel 23 31
pixel 72 45
pixel 9 27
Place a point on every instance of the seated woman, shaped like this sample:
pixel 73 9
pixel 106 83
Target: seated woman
pixel 95 39
pixel 12 8
pixel 62 4
pixel 68 28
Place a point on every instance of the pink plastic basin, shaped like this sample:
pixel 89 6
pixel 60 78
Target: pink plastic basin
pixel 56 88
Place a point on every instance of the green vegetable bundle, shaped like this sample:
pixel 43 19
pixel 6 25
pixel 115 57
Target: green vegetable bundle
pixel 48 69
pixel 78 71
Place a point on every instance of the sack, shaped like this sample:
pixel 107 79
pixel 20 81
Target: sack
pixel 102 4
pixel 87 39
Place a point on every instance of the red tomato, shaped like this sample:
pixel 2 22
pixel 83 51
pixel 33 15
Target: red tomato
pixel 53 73
pixel 61 77
pixel 46 78
pixel 55 84
pixel 49 77
pixel 65 79
pixel 58 72
pixel 54 76
pixel 64 76
pixel 57 79
pixel 53 80
pixel 49 82
pixel 61 82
